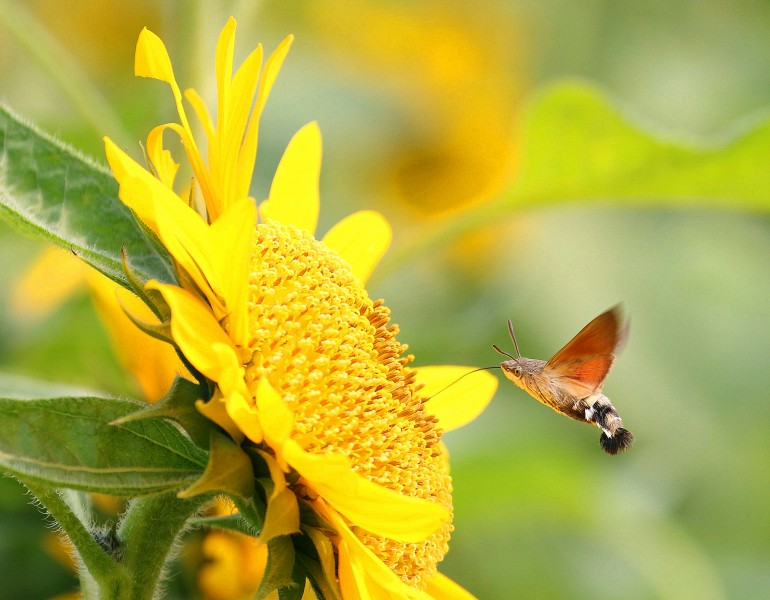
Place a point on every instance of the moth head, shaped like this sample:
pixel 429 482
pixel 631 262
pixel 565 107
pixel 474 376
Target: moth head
pixel 513 368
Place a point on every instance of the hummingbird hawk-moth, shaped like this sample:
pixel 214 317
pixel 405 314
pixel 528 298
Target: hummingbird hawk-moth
pixel 571 382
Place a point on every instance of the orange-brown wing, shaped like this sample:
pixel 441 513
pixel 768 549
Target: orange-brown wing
pixel 580 377
pixel 582 365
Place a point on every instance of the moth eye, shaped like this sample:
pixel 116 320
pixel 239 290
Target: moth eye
pixel 517 371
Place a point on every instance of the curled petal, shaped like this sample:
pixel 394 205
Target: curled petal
pixel 361 239
pixel 165 165
pixel 454 401
pixel 151 58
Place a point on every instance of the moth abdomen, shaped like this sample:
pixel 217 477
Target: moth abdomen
pixel 619 442
pixel 614 437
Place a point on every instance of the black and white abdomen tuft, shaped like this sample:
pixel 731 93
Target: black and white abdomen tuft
pixel 600 411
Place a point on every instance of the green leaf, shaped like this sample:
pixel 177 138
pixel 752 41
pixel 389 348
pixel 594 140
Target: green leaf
pixel 279 572
pixel 52 192
pixel 178 405
pixel 69 442
pixel 578 146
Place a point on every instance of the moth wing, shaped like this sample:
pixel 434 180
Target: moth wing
pixel 580 377
pixel 583 363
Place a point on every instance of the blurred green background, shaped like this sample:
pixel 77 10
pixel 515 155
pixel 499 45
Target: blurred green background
pixel 422 106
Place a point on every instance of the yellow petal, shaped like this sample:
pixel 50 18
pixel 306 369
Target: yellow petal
pixel 282 517
pixel 370 506
pixel 444 588
pixel 188 239
pixel 272 68
pixel 201 111
pixel 362 573
pixel 250 140
pixel 216 411
pixel 326 556
pixel 244 124
pixel 151 58
pixel 236 173
pixel 461 402
pixel 201 338
pixel 294 198
pixel 137 186
pixel 361 239
pixel 224 71
pixel 153 363
pixel 275 417
pixel 230 248
pixel 244 417
pixel 165 165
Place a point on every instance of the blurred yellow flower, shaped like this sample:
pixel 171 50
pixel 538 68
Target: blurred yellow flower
pixel 454 72
pixel 306 369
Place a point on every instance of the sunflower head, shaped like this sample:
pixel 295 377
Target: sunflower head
pixel 329 433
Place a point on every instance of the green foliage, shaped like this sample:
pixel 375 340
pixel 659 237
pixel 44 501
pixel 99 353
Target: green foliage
pixel 279 573
pixel 69 442
pixel 579 146
pixel 50 191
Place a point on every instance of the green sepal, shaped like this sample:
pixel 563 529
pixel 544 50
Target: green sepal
pixel 160 331
pixel 178 405
pixel 227 522
pixel 228 471
pixel 69 442
pixel 297 589
pixel 50 191
pixel 253 512
pixel 152 298
pixel 279 572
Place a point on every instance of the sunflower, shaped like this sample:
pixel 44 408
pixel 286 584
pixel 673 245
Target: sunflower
pixel 304 371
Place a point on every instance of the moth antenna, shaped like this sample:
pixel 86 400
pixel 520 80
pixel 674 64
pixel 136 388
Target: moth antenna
pixel 503 352
pixel 513 337
pixel 460 377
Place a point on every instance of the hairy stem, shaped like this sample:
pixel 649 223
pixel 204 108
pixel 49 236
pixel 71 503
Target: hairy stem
pixel 102 569
pixel 148 531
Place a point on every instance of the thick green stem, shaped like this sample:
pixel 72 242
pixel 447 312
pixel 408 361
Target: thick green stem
pixel 149 530
pixel 106 573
